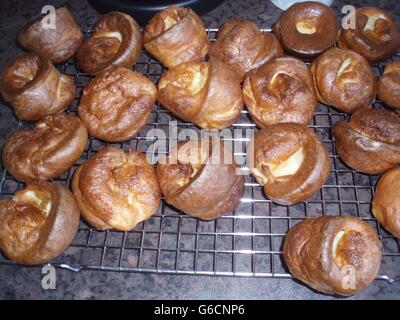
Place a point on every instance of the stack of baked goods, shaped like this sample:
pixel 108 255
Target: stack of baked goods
pixel 280 77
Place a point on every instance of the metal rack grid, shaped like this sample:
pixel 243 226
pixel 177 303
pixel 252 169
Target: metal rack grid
pixel 247 242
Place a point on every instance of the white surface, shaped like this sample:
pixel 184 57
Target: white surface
pixel 284 4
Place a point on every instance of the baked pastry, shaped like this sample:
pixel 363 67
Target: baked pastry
pixel 307 29
pixel 375 36
pixel 289 161
pixel 38 223
pixel 115 189
pixel 35 88
pixel 370 141
pixel 242 46
pixel 389 86
pixel 116 41
pixel 281 90
pixel 46 151
pixel 201 178
pixel 205 93
pixel 386 203
pixel 333 254
pixel 344 79
pixel 57 44
pixel 176 35
pixel 116 104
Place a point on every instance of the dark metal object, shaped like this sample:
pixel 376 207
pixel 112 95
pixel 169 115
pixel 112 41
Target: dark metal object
pixel 246 243
pixel 142 11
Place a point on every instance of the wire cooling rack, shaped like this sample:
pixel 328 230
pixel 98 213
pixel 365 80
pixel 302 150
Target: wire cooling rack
pixel 247 242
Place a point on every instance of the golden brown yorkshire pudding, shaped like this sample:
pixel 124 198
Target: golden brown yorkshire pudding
pixel 333 254
pixel 376 35
pixel 116 104
pixel 35 88
pixel 39 223
pixel 116 41
pixel 370 141
pixel 47 151
pixel 242 46
pixel 205 93
pixel 386 203
pixel 344 79
pixel 115 189
pixel 281 90
pixel 57 44
pixel 201 178
pixel 307 29
pixel 176 35
pixel 289 161
pixel 389 86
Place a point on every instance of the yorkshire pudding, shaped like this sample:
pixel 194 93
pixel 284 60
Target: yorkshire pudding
pixel 289 161
pixel 386 203
pixel 205 93
pixel 389 86
pixel 201 178
pixel 116 41
pixel 344 79
pixel 242 46
pixel 35 88
pixel 176 35
pixel 370 141
pixel 281 90
pixel 115 189
pixel 47 151
pixel 307 29
pixel 116 104
pixel 57 44
pixel 376 35
pixel 333 254
pixel 39 223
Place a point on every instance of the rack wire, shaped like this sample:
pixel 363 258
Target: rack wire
pixel 247 242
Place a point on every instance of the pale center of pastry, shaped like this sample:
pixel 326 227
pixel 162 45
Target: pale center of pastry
pixel 343 67
pixel 112 34
pixel 192 78
pixel 261 178
pixel 288 167
pixel 370 25
pixel 336 241
pixel 169 22
pixel 32 197
pixel 306 27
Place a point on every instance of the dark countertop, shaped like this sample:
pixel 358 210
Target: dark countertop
pixel 25 283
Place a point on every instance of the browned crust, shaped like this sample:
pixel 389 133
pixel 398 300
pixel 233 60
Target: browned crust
pixel 115 189
pixel 370 142
pixel 217 105
pixel 214 190
pixel 185 41
pixel 104 50
pixel 346 89
pixel 389 86
pixel 309 253
pixel 58 44
pixel 377 44
pixel 27 235
pixel 46 151
pixel 281 90
pixel 275 144
pixel 35 88
pixel 386 203
pixel 307 45
pixel 116 104
pixel 241 45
